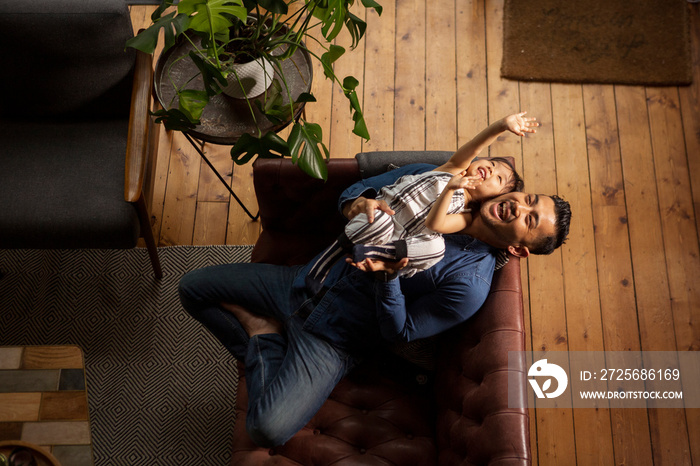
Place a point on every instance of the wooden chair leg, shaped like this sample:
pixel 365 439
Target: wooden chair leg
pixel 147 235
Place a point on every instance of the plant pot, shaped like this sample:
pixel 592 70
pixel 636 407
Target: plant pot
pixel 250 79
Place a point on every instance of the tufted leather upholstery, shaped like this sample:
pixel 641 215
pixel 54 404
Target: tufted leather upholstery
pixel 388 411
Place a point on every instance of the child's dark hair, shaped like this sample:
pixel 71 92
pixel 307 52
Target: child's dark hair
pixel 515 183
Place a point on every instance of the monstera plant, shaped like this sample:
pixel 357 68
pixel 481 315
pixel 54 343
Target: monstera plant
pixel 226 32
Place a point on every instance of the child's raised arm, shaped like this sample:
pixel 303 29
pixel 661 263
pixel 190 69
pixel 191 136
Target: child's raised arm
pixel 438 219
pixel 516 123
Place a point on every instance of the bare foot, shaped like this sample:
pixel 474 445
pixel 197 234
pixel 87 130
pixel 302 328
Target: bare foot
pixel 253 324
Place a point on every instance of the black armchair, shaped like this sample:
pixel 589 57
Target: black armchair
pixel 75 127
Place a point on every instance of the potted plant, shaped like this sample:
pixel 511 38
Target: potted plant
pixel 224 33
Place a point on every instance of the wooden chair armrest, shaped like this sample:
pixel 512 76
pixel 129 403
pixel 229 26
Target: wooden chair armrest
pixel 139 120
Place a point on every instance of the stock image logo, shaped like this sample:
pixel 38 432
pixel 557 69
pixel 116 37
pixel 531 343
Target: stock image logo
pixel 546 372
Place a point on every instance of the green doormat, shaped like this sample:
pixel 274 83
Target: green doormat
pixel 643 42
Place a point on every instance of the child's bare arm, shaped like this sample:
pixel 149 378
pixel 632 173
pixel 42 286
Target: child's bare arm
pixel 452 223
pixel 516 123
pixel 438 219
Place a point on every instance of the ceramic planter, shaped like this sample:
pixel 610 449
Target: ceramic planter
pixel 250 79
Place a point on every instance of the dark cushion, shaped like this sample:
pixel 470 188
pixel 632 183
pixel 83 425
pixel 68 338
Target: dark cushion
pixel 65 56
pixel 380 414
pixel 376 163
pixel 62 186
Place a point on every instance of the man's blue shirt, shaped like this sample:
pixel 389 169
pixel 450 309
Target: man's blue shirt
pixel 357 311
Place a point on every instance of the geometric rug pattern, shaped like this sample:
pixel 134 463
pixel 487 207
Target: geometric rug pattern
pixel 161 389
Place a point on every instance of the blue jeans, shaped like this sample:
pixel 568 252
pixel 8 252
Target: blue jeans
pixel 288 376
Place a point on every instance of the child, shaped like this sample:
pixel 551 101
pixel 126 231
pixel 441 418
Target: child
pixel 405 234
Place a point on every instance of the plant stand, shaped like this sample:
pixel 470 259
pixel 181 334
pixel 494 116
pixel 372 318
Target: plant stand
pixel 226 119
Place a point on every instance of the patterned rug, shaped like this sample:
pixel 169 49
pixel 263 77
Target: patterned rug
pixel 161 389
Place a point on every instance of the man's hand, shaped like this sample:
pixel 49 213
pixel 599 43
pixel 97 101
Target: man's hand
pixel 366 206
pixel 369 265
pixel 518 124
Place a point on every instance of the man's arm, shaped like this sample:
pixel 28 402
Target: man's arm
pixel 451 303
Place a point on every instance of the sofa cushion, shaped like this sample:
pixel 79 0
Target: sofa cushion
pixel 376 163
pixel 57 193
pixel 65 56
pixel 381 413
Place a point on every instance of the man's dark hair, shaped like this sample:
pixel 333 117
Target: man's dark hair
pixel 515 183
pixel 562 212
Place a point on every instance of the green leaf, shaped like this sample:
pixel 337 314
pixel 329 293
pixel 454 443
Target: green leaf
pixel 334 52
pixel 350 83
pixel 273 96
pixel 305 97
pixel 273 107
pixel 270 146
pixel 277 115
pixel 250 5
pixel 212 78
pixel 372 4
pixel 210 14
pixel 165 4
pixel 304 141
pixel 332 15
pixel 349 86
pixel 174 120
pixel 192 103
pixel 336 13
pixel 356 27
pixel 147 40
pixel 274 6
pixel 360 127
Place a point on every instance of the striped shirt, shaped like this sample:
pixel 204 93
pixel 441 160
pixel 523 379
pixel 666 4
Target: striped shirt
pixel 412 197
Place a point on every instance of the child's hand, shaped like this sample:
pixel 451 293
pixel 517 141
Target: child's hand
pixel 519 125
pixel 462 181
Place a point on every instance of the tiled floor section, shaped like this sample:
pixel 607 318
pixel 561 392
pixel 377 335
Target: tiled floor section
pixel 43 400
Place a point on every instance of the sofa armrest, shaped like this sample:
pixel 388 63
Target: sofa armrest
pixel 474 423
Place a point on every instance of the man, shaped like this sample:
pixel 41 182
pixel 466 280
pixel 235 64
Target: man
pixel 296 345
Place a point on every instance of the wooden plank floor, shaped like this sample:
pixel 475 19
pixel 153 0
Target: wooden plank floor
pixel 627 158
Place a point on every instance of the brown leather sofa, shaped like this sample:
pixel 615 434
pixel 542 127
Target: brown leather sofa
pixel 389 411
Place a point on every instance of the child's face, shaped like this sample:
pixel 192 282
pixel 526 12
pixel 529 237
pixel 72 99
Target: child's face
pixel 495 177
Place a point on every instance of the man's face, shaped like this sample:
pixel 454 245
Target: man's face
pixel 517 220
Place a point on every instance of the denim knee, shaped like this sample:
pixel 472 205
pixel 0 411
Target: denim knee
pixel 187 290
pixel 268 434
